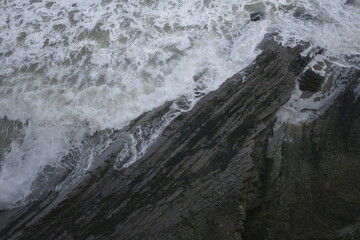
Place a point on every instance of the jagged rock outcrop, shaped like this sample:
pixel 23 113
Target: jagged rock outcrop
pixel 222 171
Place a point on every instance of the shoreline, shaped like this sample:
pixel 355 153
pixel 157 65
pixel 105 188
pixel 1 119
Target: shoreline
pixel 220 171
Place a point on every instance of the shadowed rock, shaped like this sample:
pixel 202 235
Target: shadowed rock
pixel 257 11
pixel 310 81
pixel 256 16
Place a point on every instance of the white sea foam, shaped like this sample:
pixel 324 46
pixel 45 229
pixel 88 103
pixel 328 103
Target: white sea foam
pixel 302 109
pixel 333 26
pixel 73 68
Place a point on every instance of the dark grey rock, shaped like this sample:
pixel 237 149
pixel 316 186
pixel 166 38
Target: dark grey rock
pixel 256 16
pixel 310 81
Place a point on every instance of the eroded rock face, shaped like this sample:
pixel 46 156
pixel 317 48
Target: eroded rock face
pixel 221 171
pixel 317 179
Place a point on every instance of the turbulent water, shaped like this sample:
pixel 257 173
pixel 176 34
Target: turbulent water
pixel 71 69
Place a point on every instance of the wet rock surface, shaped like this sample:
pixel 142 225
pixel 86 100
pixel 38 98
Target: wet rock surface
pixel 256 16
pixel 222 171
pixel 310 81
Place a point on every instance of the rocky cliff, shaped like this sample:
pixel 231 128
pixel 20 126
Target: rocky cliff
pixel 227 169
